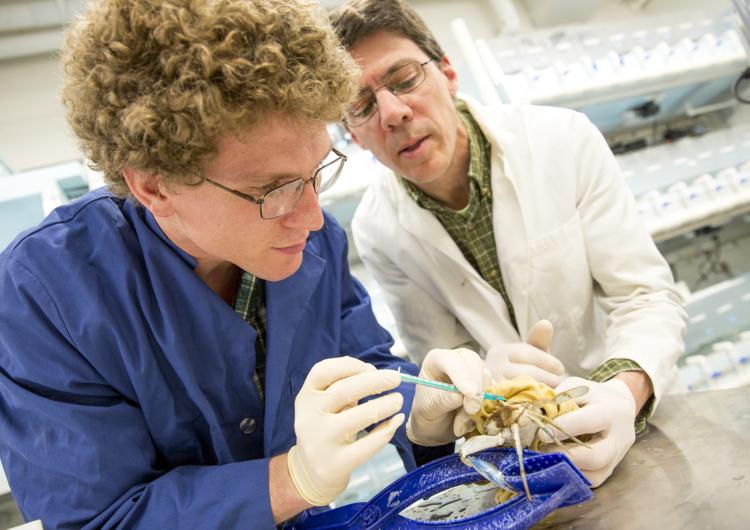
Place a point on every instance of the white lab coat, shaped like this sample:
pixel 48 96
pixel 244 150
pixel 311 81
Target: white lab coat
pixel 571 247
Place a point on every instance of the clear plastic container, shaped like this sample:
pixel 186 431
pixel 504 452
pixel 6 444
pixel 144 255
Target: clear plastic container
pixel 742 349
pixel 722 360
pixel 693 377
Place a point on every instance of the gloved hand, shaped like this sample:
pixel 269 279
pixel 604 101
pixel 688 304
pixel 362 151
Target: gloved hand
pixel 508 361
pixel 439 417
pixel 608 409
pixel 328 418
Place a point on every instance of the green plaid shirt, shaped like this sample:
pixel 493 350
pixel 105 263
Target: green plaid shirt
pixel 250 304
pixel 611 368
pixel 471 228
pixel 473 233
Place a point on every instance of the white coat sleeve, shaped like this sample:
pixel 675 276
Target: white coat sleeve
pixel 634 285
pixel 423 323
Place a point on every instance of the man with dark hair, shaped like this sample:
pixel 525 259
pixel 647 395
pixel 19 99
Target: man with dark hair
pixel 495 218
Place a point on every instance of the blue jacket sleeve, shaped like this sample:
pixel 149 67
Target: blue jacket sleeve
pixel 71 444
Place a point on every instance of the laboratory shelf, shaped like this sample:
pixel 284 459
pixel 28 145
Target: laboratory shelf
pixel 584 64
pixel 691 183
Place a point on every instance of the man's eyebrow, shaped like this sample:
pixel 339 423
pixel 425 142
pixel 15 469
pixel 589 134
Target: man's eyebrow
pixel 398 64
pixel 273 180
pixel 395 66
pixel 279 178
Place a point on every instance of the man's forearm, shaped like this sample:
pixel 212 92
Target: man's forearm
pixel 640 386
pixel 286 502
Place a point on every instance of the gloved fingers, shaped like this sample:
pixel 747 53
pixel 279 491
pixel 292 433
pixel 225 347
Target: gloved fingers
pixel 433 404
pixel 572 382
pixel 326 372
pixel 467 372
pixel 602 452
pixel 365 447
pixel 355 419
pixel 472 404
pixel 541 375
pixel 350 390
pixel 496 374
pixel 608 450
pixel 598 477
pixel 462 423
pixel 540 335
pixel 585 420
pixel 620 389
pixel 535 357
pixel 461 367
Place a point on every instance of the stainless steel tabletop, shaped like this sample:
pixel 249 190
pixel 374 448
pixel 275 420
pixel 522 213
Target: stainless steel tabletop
pixel 689 469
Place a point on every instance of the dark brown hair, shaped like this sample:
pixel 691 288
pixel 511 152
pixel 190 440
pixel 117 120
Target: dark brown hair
pixel 358 18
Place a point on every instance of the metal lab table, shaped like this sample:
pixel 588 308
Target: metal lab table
pixel 690 469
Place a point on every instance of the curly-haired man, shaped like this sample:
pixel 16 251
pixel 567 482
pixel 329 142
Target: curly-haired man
pixel 154 335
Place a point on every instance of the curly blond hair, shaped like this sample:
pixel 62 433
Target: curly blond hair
pixel 153 83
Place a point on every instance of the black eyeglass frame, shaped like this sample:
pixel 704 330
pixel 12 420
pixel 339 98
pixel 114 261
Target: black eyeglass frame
pixel 393 91
pixel 340 159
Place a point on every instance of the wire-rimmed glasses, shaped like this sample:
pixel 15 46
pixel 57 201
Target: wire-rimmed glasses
pixel 402 80
pixel 282 199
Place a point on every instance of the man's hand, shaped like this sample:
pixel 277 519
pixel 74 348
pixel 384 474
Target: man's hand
pixel 532 358
pixel 328 418
pixel 439 417
pixel 608 411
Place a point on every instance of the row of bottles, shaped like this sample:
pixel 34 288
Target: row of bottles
pixel 725 365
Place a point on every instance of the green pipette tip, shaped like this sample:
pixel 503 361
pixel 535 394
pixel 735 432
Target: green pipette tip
pixel 406 378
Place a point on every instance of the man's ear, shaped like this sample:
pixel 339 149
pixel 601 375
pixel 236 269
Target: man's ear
pixel 147 189
pixel 450 74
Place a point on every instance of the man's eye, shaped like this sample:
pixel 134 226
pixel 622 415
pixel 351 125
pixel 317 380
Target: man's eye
pixel 362 108
pixel 403 83
pixel 257 191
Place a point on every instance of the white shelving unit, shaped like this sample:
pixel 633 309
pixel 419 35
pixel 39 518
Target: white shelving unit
pixel 691 183
pixel 578 65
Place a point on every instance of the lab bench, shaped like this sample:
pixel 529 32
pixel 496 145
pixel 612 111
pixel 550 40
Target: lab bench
pixel 690 469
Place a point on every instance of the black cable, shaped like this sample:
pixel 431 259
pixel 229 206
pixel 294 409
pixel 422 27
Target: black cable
pixel 712 263
pixel 736 87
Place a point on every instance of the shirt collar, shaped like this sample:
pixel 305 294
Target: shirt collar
pixel 156 229
pixel 479 164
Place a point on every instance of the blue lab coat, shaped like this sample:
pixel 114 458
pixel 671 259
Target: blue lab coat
pixel 124 379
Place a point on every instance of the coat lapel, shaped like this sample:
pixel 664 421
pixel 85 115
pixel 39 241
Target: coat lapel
pixel 286 303
pixel 511 243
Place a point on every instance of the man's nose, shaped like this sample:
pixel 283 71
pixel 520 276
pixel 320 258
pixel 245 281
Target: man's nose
pixel 393 109
pixel 306 213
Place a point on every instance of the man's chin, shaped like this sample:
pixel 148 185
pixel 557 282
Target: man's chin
pixel 280 271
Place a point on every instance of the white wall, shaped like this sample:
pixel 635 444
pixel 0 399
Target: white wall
pixel 554 12
pixel 33 131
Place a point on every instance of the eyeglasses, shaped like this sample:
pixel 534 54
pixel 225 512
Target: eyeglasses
pixel 400 81
pixel 282 199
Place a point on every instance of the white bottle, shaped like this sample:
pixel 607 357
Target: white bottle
pixel 701 363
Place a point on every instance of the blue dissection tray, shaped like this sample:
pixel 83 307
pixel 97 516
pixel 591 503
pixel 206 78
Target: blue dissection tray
pixel 553 480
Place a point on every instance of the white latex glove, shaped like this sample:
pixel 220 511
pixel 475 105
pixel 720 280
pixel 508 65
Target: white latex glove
pixel 439 417
pixel 328 418
pixel 608 410
pixel 532 358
